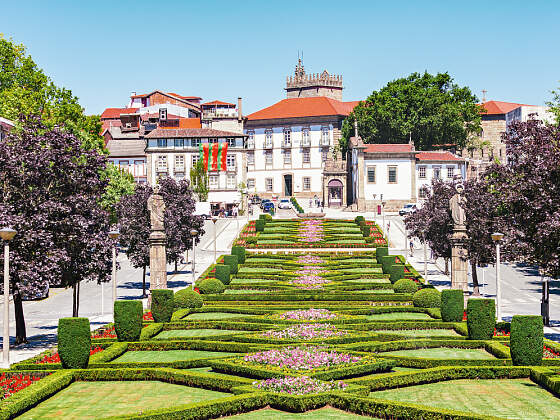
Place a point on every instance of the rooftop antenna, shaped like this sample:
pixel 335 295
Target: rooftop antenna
pixel 484 92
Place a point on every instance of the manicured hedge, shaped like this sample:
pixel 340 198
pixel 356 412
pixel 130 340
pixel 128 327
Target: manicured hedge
pixel 380 252
pixel 397 272
pixel 223 273
pixel 240 252
pixel 387 262
pixel 210 286
pixel 259 225
pixel 232 261
pixel 359 219
pixel 150 331
pixel 452 305
pixel 186 299
pixel 481 318
pixel 405 286
pixel 427 298
pixel 128 319
pixel 526 340
pixel 162 305
pixel 74 342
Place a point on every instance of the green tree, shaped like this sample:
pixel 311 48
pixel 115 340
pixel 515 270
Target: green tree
pixel 199 181
pixel 555 105
pixel 121 183
pixel 430 110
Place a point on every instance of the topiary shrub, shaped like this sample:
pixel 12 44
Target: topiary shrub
pixel 526 340
pixel 223 273
pixel 232 261
pixel 405 286
pixel 162 305
pixel 74 342
pixel 427 298
pixel 240 252
pixel 397 272
pixel 210 286
pixel 380 252
pixel 359 219
pixel 251 240
pixel 481 318
pixel 366 231
pixel 452 305
pixel 187 298
pixel 128 319
pixel 387 262
pixel 259 225
pixel 262 216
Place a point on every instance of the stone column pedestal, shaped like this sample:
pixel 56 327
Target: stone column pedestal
pixel 459 261
pixel 158 260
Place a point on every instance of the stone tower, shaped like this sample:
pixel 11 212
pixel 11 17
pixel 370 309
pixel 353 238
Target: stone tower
pixel 302 85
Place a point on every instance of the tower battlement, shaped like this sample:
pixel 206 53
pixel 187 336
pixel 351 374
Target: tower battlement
pixel 302 85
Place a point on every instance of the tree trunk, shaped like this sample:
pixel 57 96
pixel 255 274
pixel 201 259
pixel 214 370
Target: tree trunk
pixel 74 300
pixel 175 265
pixel 144 282
pixel 446 266
pixel 476 290
pixel 78 299
pixel 21 334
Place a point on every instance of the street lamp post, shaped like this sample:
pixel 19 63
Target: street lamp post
pixel 214 220
pixel 383 215
pixel 7 234
pixel 114 234
pixel 194 234
pixel 497 238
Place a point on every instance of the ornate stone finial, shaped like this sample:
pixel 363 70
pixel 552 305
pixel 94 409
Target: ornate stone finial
pixel 356 128
pixel 300 70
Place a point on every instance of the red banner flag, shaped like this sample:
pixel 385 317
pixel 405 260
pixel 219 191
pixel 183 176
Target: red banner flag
pixel 223 160
pixel 204 155
pixel 215 152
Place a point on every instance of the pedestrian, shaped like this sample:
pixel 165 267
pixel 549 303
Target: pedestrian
pixel 411 246
pixel 310 202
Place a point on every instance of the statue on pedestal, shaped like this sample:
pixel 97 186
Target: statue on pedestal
pixel 457 210
pixel 158 257
pixel 459 255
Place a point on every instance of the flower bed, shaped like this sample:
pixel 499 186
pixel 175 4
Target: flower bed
pixel 12 383
pixel 310 231
pixel 147 316
pixel 299 385
pixel 107 332
pixel 309 260
pixel 301 358
pixel 308 315
pixel 55 358
pixel 306 332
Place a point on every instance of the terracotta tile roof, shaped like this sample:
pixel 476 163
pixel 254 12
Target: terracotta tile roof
pixel 189 123
pixel 186 98
pixel 162 133
pixel 115 113
pixel 303 107
pixel 111 123
pixel 217 103
pixel 437 156
pixel 388 148
pixel 498 107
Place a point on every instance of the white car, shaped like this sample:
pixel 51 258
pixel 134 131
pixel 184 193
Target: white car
pixel 407 209
pixel 285 204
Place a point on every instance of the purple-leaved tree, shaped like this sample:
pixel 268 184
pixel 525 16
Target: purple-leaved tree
pixel 51 188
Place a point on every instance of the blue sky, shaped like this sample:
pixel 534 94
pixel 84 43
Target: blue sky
pixel 104 50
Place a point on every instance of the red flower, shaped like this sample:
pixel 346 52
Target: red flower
pixel 196 290
pixel 148 316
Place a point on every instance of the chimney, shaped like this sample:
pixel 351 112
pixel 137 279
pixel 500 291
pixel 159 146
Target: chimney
pixel 133 93
pixel 239 110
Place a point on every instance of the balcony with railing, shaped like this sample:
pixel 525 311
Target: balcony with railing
pixel 268 144
pixel 286 144
pixel 325 141
pixel 251 144
pixel 306 142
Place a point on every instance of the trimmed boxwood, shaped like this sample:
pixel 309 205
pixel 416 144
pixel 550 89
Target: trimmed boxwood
pixel 187 298
pixel 128 319
pixel 481 318
pixel 405 286
pixel 240 252
pixel 233 262
pixel 452 305
pixel 162 305
pixel 74 342
pixel 381 251
pixel 366 230
pixel 427 298
pixel 397 272
pixel 223 273
pixel 386 262
pixel 259 225
pixel 210 286
pixel 526 340
pixel 359 219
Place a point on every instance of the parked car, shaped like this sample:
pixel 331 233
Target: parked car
pixel 267 206
pixel 407 209
pixel 42 293
pixel 264 201
pixel 285 204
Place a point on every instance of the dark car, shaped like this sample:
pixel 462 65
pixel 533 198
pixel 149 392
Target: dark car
pixel 268 206
pixel 264 201
pixel 42 293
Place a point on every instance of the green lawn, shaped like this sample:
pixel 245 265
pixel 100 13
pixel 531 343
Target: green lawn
pixel 208 370
pixel 215 315
pixel 433 332
pixel 169 356
pixel 506 398
pixel 444 353
pixel 327 413
pixel 197 332
pixel 93 400
pixel 390 316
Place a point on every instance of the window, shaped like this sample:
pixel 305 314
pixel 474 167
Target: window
pixel 305 140
pixel 392 174
pixel 162 164
pixel 422 172
pixel 195 142
pixel 180 176
pixel 251 158
pixel 251 183
pixel 179 142
pixel 437 172
pixel 268 157
pixel 306 183
pixel 324 154
pixel 231 142
pixel 161 142
pixel 306 156
pixel 212 140
pixel 251 140
pixel 422 192
pixel 287 137
pixel 123 164
pixel 287 157
pixel 325 136
pixel 231 182
pixel 371 174
pixel 230 162
pixel 179 163
pixel 450 170
pixel 268 138
pixel 139 168
pixel 268 184
pixel 213 181
pixel 194 160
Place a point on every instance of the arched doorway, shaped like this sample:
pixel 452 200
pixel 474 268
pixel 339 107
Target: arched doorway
pixel 335 193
